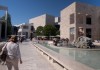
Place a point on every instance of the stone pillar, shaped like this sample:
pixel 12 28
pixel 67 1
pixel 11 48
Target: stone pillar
pixel 0 31
pixel 6 25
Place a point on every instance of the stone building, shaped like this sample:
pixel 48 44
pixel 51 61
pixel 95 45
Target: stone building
pixel 80 19
pixel 57 22
pixel 42 20
pixel 26 30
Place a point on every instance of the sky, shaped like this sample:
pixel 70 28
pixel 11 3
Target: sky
pixel 23 10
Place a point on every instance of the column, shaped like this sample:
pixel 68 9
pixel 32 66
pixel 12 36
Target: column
pixel 6 25
pixel 0 31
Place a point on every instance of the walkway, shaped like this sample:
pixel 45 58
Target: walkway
pixel 32 59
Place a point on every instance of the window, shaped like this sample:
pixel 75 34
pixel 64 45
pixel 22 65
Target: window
pixel 88 20
pixel 72 18
pixel 88 32
pixel 25 27
pixel 72 30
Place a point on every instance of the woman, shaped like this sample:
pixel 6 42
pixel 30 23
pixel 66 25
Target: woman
pixel 13 54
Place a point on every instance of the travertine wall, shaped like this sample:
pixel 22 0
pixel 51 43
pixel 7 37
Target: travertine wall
pixel 81 11
pixel 38 21
pixel 50 19
pixel 42 20
pixel 65 22
pixel 86 10
pixel 23 31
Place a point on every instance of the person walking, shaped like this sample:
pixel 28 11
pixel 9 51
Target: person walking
pixel 21 39
pixel 13 54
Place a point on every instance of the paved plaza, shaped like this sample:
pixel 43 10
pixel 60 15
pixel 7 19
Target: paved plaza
pixel 32 59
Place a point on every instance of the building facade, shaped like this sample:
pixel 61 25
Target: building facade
pixel 79 19
pixel 42 20
pixel 57 22
pixel 26 30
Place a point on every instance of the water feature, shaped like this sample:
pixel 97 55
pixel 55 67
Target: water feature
pixel 88 57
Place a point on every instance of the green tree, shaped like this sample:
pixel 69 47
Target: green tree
pixel 9 25
pixel 49 30
pixel 39 31
pixel 58 32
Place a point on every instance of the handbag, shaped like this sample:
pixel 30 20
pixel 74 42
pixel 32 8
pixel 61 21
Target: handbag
pixel 3 54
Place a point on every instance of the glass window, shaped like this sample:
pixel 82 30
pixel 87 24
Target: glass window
pixel 25 27
pixel 88 20
pixel 72 30
pixel 72 18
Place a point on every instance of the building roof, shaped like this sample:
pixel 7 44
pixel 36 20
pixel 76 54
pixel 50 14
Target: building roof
pixel 3 8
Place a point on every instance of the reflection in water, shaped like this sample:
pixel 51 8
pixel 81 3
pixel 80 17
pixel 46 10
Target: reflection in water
pixel 88 57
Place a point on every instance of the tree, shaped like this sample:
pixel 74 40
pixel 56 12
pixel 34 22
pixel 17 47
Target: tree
pixel 49 30
pixel 58 32
pixel 9 25
pixel 39 31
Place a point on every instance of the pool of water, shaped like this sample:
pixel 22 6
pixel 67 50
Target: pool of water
pixel 87 57
pixel 48 46
pixel 90 58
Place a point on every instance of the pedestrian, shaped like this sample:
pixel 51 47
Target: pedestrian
pixel 3 52
pixel 13 54
pixel 21 39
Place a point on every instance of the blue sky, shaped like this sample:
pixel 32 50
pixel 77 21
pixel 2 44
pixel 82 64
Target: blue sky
pixel 22 10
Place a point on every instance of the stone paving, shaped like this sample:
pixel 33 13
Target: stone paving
pixel 32 59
